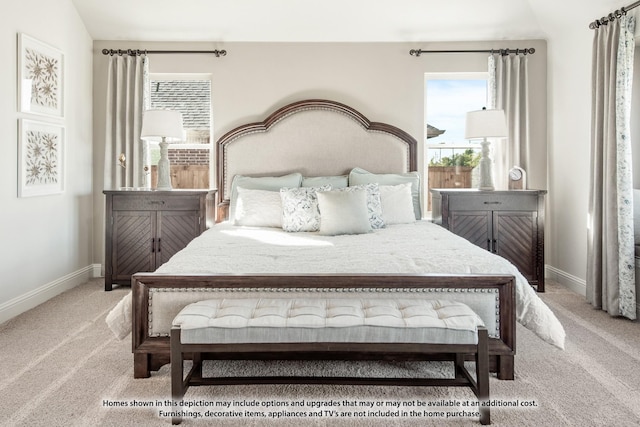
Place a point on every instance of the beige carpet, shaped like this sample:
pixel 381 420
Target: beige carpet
pixel 61 366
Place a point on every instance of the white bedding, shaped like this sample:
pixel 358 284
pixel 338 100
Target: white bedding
pixel 420 247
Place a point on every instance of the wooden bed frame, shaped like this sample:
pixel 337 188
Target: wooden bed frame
pixel 314 150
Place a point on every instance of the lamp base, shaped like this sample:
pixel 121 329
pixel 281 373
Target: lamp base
pixel 164 176
pixel 486 171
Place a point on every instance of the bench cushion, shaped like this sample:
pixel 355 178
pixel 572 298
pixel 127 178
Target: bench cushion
pixel 290 320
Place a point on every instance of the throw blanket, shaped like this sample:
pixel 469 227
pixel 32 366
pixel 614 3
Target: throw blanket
pixel 421 248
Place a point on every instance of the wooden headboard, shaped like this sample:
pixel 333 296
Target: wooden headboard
pixel 315 137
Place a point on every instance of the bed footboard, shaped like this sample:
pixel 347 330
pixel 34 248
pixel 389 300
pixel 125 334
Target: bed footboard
pixel 157 299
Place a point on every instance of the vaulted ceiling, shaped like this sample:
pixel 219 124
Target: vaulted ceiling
pixel 335 20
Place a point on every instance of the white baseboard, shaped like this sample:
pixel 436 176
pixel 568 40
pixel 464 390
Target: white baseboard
pixel 31 299
pixel 579 285
pixel 567 280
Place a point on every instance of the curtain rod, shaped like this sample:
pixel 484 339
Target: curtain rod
pixel 531 51
pixel 613 16
pixel 136 52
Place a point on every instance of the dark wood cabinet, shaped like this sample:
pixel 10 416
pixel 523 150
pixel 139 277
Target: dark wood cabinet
pixel 145 228
pixel 507 223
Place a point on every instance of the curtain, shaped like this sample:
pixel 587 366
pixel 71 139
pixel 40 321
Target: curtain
pixel 508 75
pixel 127 95
pixel 610 252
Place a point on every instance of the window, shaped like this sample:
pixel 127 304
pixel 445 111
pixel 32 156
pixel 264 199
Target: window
pixel 450 160
pixel 190 159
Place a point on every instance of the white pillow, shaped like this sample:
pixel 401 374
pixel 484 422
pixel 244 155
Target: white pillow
pixel 397 204
pixel 359 176
pixel 374 205
pixel 300 208
pixel 273 183
pixel 258 208
pixel 343 212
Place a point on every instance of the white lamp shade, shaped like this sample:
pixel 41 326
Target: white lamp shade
pixel 161 123
pixel 485 124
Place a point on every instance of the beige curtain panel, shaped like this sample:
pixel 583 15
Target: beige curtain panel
pixel 124 153
pixel 508 91
pixel 611 264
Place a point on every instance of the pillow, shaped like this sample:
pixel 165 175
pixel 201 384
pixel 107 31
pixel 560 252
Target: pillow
pixel 300 208
pixel 343 212
pixel 359 176
pixel 335 181
pixel 397 204
pixel 273 183
pixel 258 208
pixel 374 206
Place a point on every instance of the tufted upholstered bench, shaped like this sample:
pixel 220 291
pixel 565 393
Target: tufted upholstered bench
pixel 332 329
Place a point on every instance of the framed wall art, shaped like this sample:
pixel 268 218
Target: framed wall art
pixel 40 77
pixel 40 157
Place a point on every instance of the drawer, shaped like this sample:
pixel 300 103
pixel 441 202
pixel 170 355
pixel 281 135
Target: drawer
pixel 152 202
pixel 493 202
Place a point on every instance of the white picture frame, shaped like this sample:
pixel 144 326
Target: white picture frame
pixel 40 78
pixel 40 158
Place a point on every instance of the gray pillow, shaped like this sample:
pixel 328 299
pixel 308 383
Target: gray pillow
pixel 335 181
pixel 343 212
pixel 359 176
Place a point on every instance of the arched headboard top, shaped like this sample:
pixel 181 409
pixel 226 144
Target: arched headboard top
pixel 315 137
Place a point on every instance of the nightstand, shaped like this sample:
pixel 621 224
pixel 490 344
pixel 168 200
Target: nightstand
pixel 145 228
pixel 507 223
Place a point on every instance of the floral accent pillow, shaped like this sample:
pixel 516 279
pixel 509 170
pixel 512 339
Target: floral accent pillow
pixel 300 208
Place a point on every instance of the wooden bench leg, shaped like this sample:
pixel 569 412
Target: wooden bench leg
pixel 177 365
pixel 459 365
pixel 482 375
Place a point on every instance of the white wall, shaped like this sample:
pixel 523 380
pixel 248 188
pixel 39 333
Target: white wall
pixel 381 80
pixel 47 240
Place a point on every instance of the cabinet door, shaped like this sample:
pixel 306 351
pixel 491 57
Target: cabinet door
pixel 475 226
pixel 133 243
pixel 175 230
pixel 515 239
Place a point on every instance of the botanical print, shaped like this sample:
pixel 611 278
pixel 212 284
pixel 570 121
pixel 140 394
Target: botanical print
pixel 43 72
pixel 40 84
pixel 41 158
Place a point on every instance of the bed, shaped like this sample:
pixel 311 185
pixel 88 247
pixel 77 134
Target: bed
pixel 328 147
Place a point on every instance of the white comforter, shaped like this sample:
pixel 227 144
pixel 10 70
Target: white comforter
pixel 422 247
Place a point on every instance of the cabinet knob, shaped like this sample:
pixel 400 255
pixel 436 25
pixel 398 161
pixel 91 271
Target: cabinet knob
pixel 492 203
